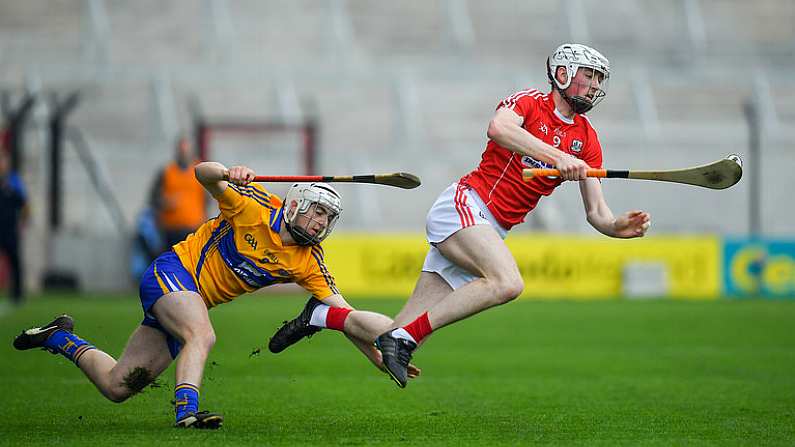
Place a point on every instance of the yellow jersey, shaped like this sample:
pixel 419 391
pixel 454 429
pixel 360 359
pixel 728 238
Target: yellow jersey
pixel 240 250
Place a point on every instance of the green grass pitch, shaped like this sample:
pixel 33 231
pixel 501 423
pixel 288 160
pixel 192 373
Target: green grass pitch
pixel 529 373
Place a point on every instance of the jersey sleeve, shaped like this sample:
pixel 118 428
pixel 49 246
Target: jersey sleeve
pixel 317 280
pixel 245 202
pixel 522 103
pixel 592 152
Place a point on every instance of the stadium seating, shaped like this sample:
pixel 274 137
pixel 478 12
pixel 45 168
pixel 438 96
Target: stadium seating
pixel 410 86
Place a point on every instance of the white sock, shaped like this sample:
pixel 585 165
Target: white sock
pixel 402 333
pixel 319 315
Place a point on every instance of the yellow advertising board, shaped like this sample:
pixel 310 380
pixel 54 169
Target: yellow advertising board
pixel 553 266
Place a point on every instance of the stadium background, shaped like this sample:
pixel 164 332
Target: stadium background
pixel 410 86
pixel 405 86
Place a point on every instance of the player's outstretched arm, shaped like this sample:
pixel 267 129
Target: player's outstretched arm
pixel 333 312
pixel 362 327
pixel 628 225
pixel 213 176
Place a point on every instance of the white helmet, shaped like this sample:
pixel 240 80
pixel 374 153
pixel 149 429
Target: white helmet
pixel 305 195
pixel 573 56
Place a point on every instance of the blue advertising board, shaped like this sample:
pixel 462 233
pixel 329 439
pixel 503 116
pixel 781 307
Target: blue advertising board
pixel 759 267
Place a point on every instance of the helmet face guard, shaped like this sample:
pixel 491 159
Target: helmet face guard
pixel 574 56
pixel 308 197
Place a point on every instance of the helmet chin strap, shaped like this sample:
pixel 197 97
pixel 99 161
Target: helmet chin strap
pixel 300 235
pixel 579 104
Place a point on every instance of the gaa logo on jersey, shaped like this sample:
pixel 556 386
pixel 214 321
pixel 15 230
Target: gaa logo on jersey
pixel 576 146
pixel 251 240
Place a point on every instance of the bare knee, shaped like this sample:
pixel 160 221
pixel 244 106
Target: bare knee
pixel 513 289
pixel 203 338
pixel 506 288
pixel 117 394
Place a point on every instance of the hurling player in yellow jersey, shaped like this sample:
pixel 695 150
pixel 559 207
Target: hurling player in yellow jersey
pixel 257 240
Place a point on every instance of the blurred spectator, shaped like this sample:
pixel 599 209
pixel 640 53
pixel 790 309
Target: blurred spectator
pixel 147 243
pixel 177 199
pixel 13 214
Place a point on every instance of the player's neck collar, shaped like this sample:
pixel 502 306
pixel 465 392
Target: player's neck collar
pixel 563 117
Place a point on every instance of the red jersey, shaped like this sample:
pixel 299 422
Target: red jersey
pixel 498 179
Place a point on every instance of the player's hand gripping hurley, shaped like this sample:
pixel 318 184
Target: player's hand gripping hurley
pixel 398 179
pixel 720 174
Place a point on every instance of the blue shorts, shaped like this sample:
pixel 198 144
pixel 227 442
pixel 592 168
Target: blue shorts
pixel 164 275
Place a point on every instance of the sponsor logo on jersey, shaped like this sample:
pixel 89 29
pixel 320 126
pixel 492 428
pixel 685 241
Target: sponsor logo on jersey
pixel 533 163
pixel 576 146
pixel 269 257
pixel 248 274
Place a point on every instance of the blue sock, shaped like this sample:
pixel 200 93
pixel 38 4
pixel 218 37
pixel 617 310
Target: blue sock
pixel 186 399
pixel 68 344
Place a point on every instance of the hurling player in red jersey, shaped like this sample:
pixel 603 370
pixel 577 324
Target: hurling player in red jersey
pixel 468 267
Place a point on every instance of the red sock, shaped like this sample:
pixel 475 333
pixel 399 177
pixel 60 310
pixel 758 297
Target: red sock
pixel 419 328
pixel 335 318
